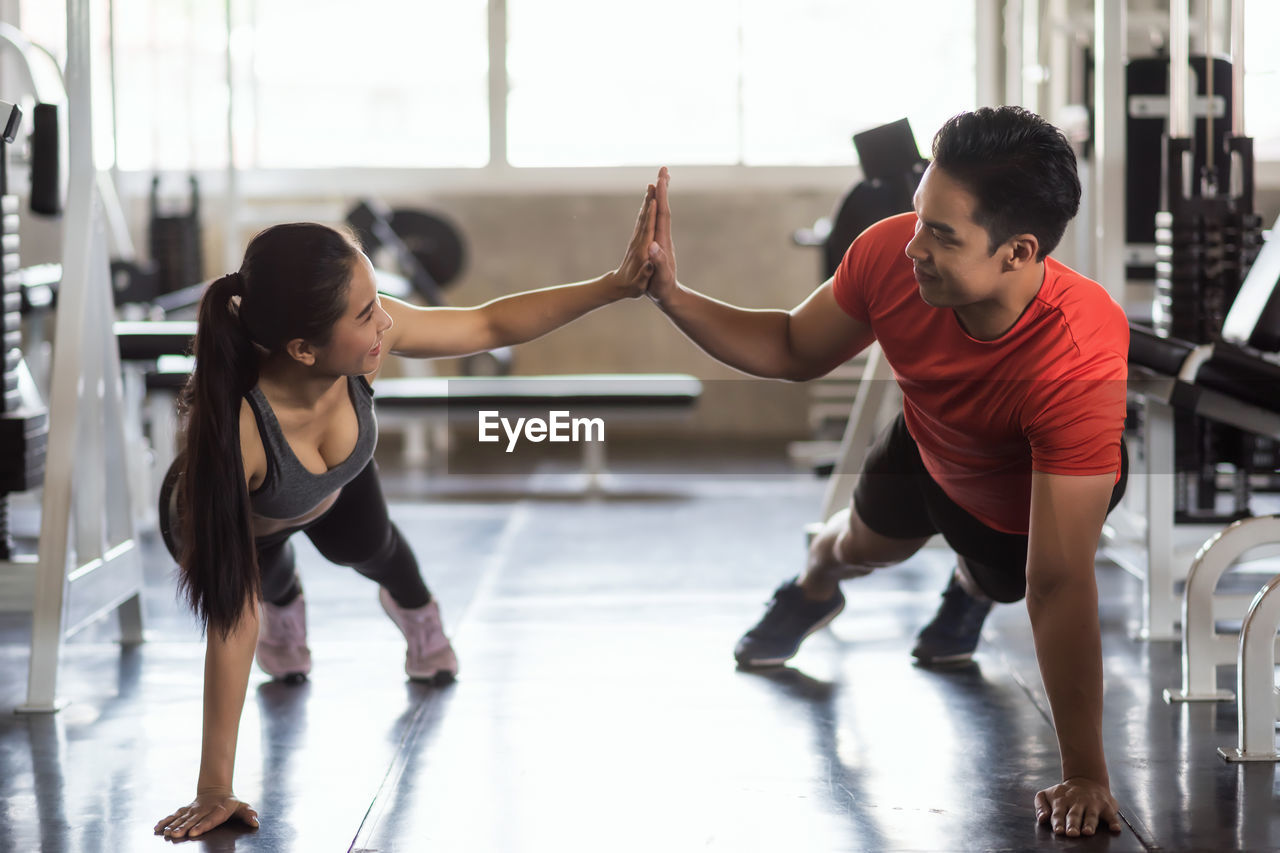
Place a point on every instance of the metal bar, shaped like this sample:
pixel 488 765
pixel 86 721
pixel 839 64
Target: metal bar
pixel 1013 50
pixel 1030 74
pixel 55 515
pixel 1179 69
pixel 1237 67
pixel 876 390
pixel 498 84
pixel 1159 602
pixel 1255 680
pixel 1210 92
pixel 987 31
pixel 1109 139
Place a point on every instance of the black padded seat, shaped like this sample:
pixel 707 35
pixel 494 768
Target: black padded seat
pixel 1227 384
pixel 1242 375
pixel 149 340
pixel 170 373
pixel 1163 355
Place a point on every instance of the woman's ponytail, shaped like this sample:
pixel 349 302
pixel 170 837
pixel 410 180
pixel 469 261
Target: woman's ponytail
pixel 219 572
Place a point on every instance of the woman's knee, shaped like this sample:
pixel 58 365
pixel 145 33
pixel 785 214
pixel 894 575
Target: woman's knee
pixel 360 551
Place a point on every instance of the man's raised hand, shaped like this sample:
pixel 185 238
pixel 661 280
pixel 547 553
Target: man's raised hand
pixel 661 251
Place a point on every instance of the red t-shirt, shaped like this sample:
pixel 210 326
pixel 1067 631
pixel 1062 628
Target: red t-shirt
pixel 1048 395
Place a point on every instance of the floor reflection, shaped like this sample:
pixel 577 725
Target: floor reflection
pixel 599 709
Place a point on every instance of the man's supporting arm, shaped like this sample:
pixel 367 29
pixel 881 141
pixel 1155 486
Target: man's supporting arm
pixel 1067 513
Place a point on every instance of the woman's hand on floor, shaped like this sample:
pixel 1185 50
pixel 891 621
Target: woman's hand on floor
pixel 206 811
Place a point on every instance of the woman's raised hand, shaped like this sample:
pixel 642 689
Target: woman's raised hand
pixel 632 275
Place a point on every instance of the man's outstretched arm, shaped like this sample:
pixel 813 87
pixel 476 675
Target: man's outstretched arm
pixel 804 343
pixel 1067 513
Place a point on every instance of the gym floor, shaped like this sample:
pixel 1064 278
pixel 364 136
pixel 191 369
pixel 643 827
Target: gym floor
pixel 598 707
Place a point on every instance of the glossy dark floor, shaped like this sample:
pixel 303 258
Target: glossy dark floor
pixel 598 707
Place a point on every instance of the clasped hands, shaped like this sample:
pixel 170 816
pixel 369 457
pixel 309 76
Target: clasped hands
pixel 649 266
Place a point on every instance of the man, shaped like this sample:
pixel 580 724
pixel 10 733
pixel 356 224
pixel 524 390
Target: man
pixel 1012 368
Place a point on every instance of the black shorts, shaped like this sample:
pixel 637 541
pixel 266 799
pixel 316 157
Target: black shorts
pixel 897 498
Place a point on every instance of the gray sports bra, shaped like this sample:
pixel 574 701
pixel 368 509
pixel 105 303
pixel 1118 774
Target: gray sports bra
pixel 292 493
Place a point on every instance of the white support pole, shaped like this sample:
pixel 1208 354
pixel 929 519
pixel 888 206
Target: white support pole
pixel 1059 59
pixel 1179 69
pixel 1255 680
pixel 498 84
pixel 1159 603
pixel 987 79
pixel 876 390
pixel 1031 72
pixel 1180 95
pixel 231 222
pixel 1203 649
pixel 85 500
pixel 1013 52
pixel 1109 145
pixel 1237 67
pixel 594 466
pixel 55 525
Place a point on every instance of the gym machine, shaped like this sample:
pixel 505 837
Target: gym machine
pixel 24 423
pixel 1207 235
pixel 891 170
pixel 1207 241
pixel 87 562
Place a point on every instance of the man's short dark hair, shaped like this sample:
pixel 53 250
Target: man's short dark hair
pixel 1020 168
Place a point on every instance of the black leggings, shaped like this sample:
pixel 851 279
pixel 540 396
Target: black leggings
pixel 356 531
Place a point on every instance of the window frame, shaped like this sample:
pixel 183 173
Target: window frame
pixel 499 176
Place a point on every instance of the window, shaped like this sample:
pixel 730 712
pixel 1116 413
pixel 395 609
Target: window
pixel 729 81
pixel 613 84
pixel 380 83
pixel 1262 77
pixel 317 83
pixel 817 71
pixel 171 84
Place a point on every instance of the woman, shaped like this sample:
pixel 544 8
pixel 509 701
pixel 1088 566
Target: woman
pixel 279 439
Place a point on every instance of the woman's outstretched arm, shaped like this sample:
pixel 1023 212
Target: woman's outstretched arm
pixel 520 317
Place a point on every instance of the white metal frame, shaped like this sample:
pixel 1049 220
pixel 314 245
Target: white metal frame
pixel 1203 648
pixel 877 397
pixel 1258 705
pixel 1253 650
pixel 1108 209
pixel 1159 598
pixel 87 561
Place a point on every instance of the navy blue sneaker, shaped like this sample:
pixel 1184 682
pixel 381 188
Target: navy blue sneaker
pixel 952 635
pixel 791 617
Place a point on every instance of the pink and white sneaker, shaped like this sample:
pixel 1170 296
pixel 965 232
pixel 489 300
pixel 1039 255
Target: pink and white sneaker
pixel 282 640
pixel 430 657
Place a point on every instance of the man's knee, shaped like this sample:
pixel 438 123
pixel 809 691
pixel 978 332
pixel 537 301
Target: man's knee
pixel 859 545
pixel 964 574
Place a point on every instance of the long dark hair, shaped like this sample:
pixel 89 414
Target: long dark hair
pixel 293 283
